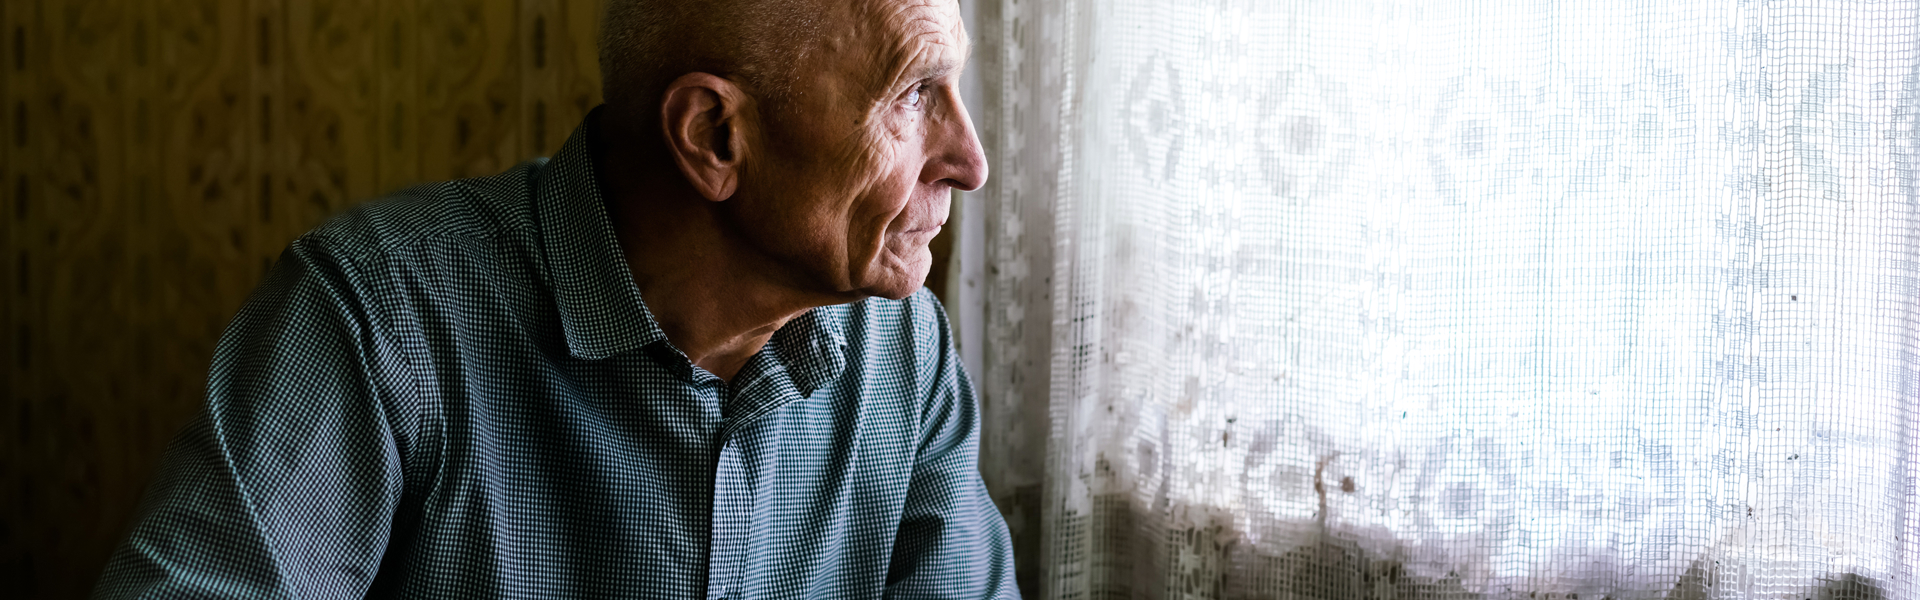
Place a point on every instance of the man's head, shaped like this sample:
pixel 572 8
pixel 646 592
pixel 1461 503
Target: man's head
pixel 827 133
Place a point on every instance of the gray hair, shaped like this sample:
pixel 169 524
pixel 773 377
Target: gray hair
pixel 646 44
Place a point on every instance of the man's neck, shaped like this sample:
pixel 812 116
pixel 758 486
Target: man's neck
pixel 712 294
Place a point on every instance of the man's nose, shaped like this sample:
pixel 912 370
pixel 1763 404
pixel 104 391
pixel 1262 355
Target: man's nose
pixel 954 154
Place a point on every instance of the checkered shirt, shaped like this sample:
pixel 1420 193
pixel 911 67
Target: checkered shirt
pixel 457 392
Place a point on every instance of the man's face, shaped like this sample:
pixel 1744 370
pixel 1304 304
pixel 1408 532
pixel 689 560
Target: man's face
pixel 853 172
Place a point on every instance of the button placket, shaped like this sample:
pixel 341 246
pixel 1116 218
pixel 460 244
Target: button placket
pixel 732 508
pixel 759 389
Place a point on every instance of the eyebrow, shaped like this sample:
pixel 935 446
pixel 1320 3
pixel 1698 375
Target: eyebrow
pixel 943 67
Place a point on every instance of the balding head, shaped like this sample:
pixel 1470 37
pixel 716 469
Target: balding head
pixel 821 138
pixel 644 44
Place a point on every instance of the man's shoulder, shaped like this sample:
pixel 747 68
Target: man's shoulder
pixel 456 211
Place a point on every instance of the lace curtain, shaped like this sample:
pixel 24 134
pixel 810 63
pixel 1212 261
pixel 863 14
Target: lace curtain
pixel 1451 299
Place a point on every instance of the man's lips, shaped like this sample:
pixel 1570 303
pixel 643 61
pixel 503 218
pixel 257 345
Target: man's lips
pixel 918 238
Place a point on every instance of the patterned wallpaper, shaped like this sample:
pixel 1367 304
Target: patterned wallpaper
pixel 158 154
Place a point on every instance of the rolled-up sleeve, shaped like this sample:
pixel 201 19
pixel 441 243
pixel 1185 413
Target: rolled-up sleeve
pixel 286 483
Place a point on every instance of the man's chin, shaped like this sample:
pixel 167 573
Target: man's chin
pixel 897 287
pixel 902 280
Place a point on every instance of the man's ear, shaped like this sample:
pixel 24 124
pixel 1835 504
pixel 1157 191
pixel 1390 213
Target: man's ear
pixel 701 116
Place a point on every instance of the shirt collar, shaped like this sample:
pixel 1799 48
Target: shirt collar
pixel 600 307
pixel 813 347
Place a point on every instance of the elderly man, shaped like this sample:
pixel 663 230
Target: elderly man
pixel 689 356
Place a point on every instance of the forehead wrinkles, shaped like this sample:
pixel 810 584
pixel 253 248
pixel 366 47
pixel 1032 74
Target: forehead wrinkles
pixel 919 37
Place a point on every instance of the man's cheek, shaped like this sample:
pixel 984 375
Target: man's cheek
pixel 887 187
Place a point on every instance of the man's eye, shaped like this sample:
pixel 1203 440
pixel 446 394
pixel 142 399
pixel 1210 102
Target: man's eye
pixel 913 97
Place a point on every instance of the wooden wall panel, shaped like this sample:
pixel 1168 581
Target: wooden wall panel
pixel 561 68
pixel 76 255
pixel 470 101
pixel 17 164
pixel 397 60
pixel 204 153
pixel 332 92
pixel 155 158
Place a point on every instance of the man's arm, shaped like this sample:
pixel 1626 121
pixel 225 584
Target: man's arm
pixel 286 483
pixel 952 541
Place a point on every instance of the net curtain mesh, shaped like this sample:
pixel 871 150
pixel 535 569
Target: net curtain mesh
pixel 1461 299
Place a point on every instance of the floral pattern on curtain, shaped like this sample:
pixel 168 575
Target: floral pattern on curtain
pixel 1457 299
